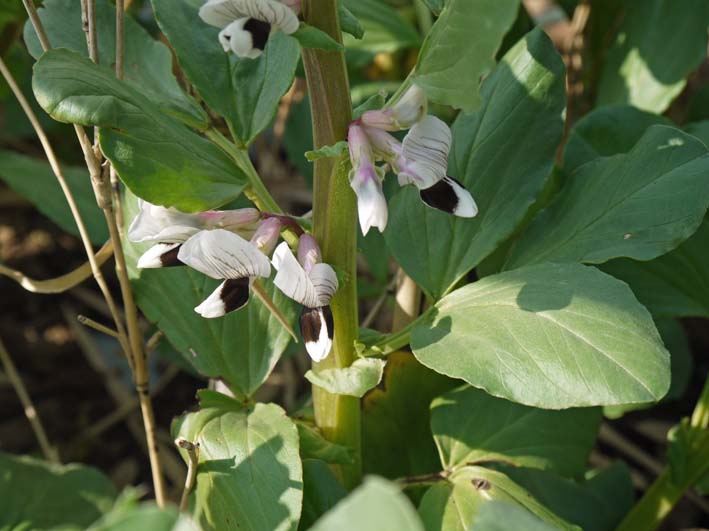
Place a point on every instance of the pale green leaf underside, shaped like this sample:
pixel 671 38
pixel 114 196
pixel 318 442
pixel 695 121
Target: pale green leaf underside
pixel 551 335
pixel 364 374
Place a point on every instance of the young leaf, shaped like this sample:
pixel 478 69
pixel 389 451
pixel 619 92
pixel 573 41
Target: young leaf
pixel 374 102
pixel 159 158
pixel 377 505
pixel 606 131
pixel 658 43
pixel 241 348
pixel 552 335
pixel 73 496
pixel 511 433
pixel 245 91
pixel 675 284
pixel 638 205
pixel 34 179
pixel 451 63
pixel 454 504
pixel 312 37
pixel 147 62
pixel 502 162
pixel 349 22
pixel 364 374
pixel 324 152
pixel 250 475
pixel 399 411
pixel 596 504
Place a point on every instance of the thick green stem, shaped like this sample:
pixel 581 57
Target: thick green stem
pixel 334 226
pixel 662 496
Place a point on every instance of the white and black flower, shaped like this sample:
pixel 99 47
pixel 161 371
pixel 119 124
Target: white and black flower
pixel 312 283
pixel 366 181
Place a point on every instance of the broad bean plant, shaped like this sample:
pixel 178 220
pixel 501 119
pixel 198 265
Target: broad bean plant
pixel 540 253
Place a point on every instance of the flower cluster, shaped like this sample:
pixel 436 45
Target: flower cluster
pixel 234 246
pixel 246 24
pixel 420 160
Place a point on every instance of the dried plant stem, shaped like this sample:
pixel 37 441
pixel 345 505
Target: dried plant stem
pixel 192 450
pixel 131 342
pixel 50 453
pixel 120 54
pixel 87 321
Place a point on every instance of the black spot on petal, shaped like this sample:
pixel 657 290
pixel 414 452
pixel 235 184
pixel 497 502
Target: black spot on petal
pixel 259 32
pixel 327 315
pixel 169 258
pixel 441 196
pixel 235 294
pixel 310 325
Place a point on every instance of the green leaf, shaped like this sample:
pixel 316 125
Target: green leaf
pixel 321 491
pixel 658 43
pixel 454 504
pixel 147 62
pixel 607 131
pixel 325 152
pixel 700 130
pixel 598 503
pixel 471 426
pixel 377 505
pixel 314 446
pixel 460 50
pixel 158 158
pixel 35 495
pixel 244 91
pixel 364 374
pixel 503 516
pixel 551 335
pixel 399 411
pixel 144 517
pixel 436 6
pixel 241 348
pixel 374 102
pixel 349 22
pixel 385 30
pixel 638 205
pixel 502 163
pixel 249 476
pixel 312 37
pixel 34 179
pixel 675 284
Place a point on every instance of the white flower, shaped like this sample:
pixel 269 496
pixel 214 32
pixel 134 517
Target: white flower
pixel 223 255
pixel 406 112
pixel 169 228
pixel 366 182
pixel 246 24
pixel 312 284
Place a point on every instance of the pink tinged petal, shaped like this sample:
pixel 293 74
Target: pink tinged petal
pixel 316 327
pixel 266 236
pixel 222 254
pixel 160 224
pixel 160 255
pixel 359 146
pixel 293 4
pixel 324 280
pixel 308 252
pixel 385 146
pixel 424 157
pixel 371 203
pixel 220 13
pixel 236 38
pixel 450 196
pixel 406 112
pixel 291 278
pixel 229 296
pixel 232 220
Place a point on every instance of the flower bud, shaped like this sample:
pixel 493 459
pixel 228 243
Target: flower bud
pixel 402 115
pixel 266 236
pixel 308 252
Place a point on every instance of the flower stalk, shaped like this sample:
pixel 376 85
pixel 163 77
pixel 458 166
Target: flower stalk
pixel 334 227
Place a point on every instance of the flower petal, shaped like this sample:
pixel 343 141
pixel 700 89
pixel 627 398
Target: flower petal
pixel 406 112
pixel 308 252
pixel 450 196
pixel 424 158
pixel 324 279
pixel 273 12
pixel 371 203
pixel 291 278
pixel 159 224
pixel 220 13
pixel 230 295
pixel 160 255
pixel 246 37
pixel 316 327
pixel 224 255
